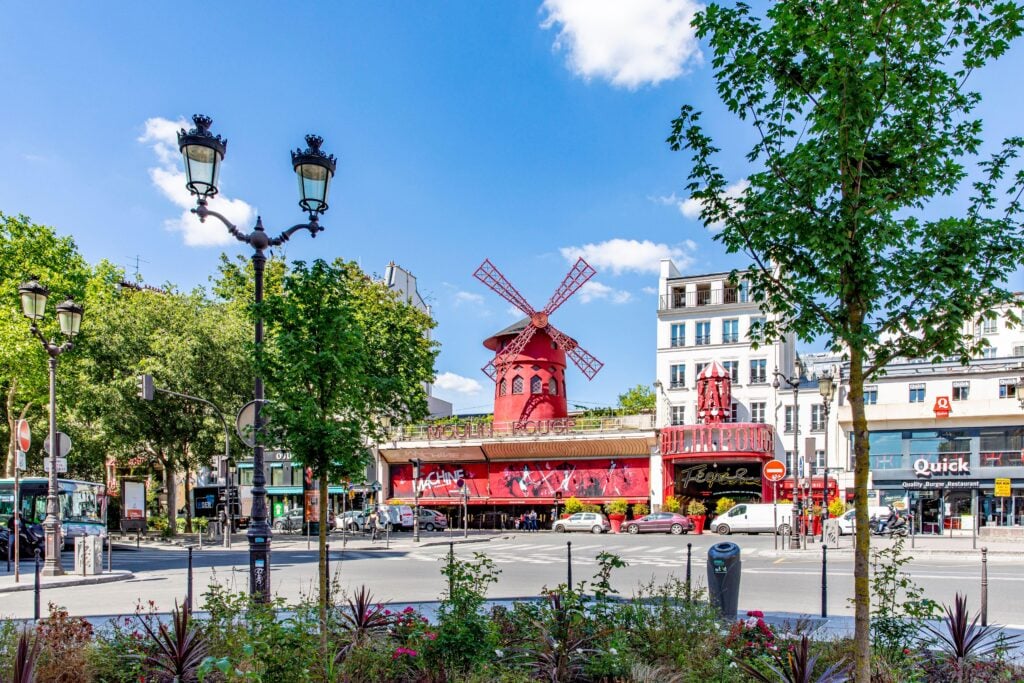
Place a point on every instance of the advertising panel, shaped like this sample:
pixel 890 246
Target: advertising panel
pixel 527 480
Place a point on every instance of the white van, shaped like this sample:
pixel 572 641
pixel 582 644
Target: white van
pixel 399 516
pixel 752 518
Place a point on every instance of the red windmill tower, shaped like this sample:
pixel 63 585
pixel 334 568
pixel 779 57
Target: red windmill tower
pixel 528 367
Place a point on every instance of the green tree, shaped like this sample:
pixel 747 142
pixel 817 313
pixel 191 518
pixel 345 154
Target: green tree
pixel 639 399
pixel 343 353
pixel 861 118
pixel 190 345
pixel 31 250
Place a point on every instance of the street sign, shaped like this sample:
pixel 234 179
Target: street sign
pixel 22 464
pixel 1002 488
pixel 24 435
pixel 63 440
pixel 774 470
pixel 62 465
pixel 245 423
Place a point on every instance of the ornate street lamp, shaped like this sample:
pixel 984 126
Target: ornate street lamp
pixel 1020 391
pixel 827 389
pixel 793 383
pixel 203 153
pixel 69 314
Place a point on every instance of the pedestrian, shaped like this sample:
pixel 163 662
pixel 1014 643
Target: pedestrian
pixel 533 520
pixel 371 522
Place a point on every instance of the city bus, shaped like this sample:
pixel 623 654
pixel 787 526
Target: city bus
pixel 81 505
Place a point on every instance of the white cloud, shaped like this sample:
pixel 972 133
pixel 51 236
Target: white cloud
pixel 627 42
pixel 650 290
pixel 691 207
pixel 169 177
pixel 468 298
pixel 621 255
pixel 449 381
pixel 593 290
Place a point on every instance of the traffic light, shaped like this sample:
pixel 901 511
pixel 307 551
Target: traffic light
pixel 145 384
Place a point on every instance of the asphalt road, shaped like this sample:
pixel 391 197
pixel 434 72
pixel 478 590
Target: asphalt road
pixel 528 562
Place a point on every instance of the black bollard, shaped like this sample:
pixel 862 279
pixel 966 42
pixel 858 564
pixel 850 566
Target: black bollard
pixel 984 586
pixel 451 569
pixel 188 592
pixel 689 549
pixel 824 582
pixel 37 586
pixel 568 556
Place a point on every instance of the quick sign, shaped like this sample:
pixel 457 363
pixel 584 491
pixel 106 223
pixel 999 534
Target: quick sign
pixel 925 469
pixel 942 407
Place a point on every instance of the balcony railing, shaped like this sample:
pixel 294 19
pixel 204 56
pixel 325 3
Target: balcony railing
pixel 528 429
pixel 714 297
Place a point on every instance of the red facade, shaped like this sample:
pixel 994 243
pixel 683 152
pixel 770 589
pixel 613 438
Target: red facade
pixel 532 386
pixel 533 481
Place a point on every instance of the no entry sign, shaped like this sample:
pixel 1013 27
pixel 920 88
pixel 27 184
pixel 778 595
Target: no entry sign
pixel 24 435
pixel 774 470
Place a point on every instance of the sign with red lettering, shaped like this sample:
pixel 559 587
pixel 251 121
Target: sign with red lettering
pixel 942 407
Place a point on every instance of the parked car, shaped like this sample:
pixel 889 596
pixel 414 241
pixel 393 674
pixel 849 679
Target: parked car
pixel 846 521
pixel 593 522
pixel 432 519
pixel 289 521
pixel 353 520
pixel 752 518
pixel 396 516
pixel 663 522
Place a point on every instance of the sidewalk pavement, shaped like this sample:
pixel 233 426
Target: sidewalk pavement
pixel 293 541
pixel 919 546
pixel 27 583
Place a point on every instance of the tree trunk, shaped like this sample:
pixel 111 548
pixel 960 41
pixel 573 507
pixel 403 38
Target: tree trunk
pixel 172 495
pixel 861 557
pixel 324 564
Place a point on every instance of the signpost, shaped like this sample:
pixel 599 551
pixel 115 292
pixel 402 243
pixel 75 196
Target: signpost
pixel 1002 488
pixel 775 471
pixel 23 436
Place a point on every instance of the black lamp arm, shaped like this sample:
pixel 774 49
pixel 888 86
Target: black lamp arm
pixel 203 211
pixel 313 226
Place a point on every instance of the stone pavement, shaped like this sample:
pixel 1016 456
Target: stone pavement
pixel 27 582
pixel 919 546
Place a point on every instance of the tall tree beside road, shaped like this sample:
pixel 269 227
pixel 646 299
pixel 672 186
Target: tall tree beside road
pixel 189 344
pixel 639 399
pixel 343 352
pixel 31 250
pixel 861 118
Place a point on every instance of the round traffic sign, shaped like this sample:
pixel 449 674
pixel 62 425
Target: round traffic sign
pixel 245 423
pixel 774 470
pixel 24 435
pixel 63 441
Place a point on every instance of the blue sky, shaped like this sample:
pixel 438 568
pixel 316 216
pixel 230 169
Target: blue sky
pixel 523 132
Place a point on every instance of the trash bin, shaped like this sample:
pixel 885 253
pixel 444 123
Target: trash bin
pixel 724 578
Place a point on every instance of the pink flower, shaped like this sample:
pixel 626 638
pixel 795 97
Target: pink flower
pixel 756 613
pixel 408 610
pixel 430 635
pixel 387 612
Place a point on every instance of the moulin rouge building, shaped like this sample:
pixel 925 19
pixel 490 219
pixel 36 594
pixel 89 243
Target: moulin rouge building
pixel 533 453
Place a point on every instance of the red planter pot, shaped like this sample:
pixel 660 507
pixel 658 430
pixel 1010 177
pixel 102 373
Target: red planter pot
pixel 698 523
pixel 616 522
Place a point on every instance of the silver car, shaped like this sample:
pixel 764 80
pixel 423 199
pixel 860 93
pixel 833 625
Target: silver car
pixel 594 522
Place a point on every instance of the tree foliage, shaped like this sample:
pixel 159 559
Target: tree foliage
pixel 343 353
pixel 637 400
pixel 861 119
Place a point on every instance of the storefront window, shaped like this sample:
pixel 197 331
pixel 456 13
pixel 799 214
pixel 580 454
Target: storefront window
pixel 1001 447
pixel 245 476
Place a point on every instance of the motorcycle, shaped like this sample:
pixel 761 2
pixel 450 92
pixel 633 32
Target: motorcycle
pixel 898 528
pixel 31 537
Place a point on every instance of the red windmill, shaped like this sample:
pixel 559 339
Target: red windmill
pixel 534 351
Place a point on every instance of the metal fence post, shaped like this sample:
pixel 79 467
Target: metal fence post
pixel 984 586
pixel 689 550
pixel 568 556
pixel 37 587
pixel 824 581
pixel 327 569
pixel 188 592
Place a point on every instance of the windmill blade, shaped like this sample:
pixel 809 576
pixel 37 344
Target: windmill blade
pixel 490 370
pixel 587 363
pixel 488 274
pixel 577 277
pixel 514 348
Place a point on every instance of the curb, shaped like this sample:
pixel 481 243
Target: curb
pixel 916 552
pixel 109 577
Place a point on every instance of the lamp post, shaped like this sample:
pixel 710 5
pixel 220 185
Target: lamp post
pixel 827 389
pixel 416 463
pixel 793 383
pixel 69 315
pixel 203 153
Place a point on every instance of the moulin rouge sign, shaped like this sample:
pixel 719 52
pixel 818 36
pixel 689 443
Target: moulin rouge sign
pixel 717 438
pixel 486 430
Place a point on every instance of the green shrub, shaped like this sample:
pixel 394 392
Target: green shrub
pixel 671 504
pixel 696 508
pixel 573 505
pixel 836 508
pixel 724 505
pixel 640 510
pixel 619 506
pixel 465 639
